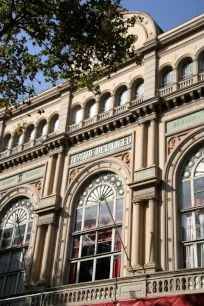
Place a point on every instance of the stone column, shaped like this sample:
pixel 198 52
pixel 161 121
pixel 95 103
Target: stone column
pixel 46 254
pixel 141 146
pixel 136 224
pixel 112 104
pixel 151 234
pixel 36 255
pixel 57 173
pixel 129 96
pixel 152 143
pixel 48 178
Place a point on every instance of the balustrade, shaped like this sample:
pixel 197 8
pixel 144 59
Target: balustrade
pixel 104 115
pixel 120 109
pixel 89 121
pixel 165 91
pixel 185 83
pixel 201 76
pixel 137 101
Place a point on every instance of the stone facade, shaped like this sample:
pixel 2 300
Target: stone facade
pixel 141 131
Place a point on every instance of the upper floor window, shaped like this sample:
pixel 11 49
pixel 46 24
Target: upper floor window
pixel 192 210
pixel 96 244
pixel 29 133
pixel 122 97
pixel 54 124
pixel 167 77
pixel 139 90
pixel 201 64
pixel 15 232
pixel 186 69
pixel 42 128
pixel 106 103
pixel 6 142
pixel 76 114
pixel 17 140
pixel 90 109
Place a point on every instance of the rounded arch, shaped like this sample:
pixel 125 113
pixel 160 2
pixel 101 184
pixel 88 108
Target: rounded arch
pixel 52 115
pixel 29 132
pixel 163 66
pixel 53 122
pixel 135 80
pixel 183 58
pixel 105 92
pixel 90 108
pixel 41 127
pixel 199 53
pixel 90 98
pixel 40 119
pixel 166 76
pixel 119 86
pixel 6 141
pixel 76 104
pixel 105 102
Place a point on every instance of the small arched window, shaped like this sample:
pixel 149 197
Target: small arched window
pixel 192 210
pixel 201 64
pixel 96 249
pixel 6 142
pixel 139 89
pixel 186 69
pixel 29 134
pixel 15 232
pixel 54 124
pixel 106 103
pixel 42 128
pixel 122 97
pixel 91 109
pixel 17 140
pixel 167 77
pixel 76 113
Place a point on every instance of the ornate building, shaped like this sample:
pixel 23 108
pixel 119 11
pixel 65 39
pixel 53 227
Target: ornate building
pixel 102 198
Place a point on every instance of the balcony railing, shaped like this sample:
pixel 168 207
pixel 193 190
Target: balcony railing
pixel 166 91
pixel 28 145
pixel 104 115
pixel 89 121
pixel 185 83
pixel 137 101
pixel 120 109
pixel 201 76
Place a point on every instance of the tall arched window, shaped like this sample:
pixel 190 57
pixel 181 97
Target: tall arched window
pixel 29 133
pixel 139 89
pixel 54 124
pixel 201 63
pixel 76 114
pixel 6 142
pixel 167 77
pixel 42 128
pixel 106 103
pixel 17 140
pixel 186 69
pixel 96 249
pixel 91 109
pixel 192 210
pixel 122 97
pixel 15 232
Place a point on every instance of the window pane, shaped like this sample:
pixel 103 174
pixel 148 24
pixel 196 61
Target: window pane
pixel 102 268
pixel 16 263
pixel 90 217
pixel 20 287
pixel 104 241
pixel 139 92
pixel 10 284
pixel 88 244
pixel 188 256
pixel 73 271
pixel 199 198
pixel 199 216
pixel 117 246
pixel 19 235
pixel 186 194
pixel 86 271
pixel 187 227
pixel 119 210
pixel 199 184
pixel 123 97
pixel 1 285
pixel 3 262
pixel 78 220
pixel 28 232
pixel 116 265
pixel 105 216
pixel 75 250
pixel 107 104
pixel 200 250
pixel 6 241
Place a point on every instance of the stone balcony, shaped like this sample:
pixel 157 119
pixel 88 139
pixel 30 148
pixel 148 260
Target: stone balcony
pixel 188 281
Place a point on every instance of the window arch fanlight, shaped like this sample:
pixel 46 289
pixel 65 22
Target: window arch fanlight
pixel 15 232
pixel 139 89
pixel 106 103
pixel 122 97
pixel 6 142
pixel 192 210
pixel 42 128
pixel 167 77
pixel 186 69
pixel 76 114
pixel 91 109
pixel 17 139
pixel 29 133
pixel 54 122
pixel 96 250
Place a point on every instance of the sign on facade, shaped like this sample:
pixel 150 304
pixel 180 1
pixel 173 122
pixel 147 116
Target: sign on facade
pixel 101 150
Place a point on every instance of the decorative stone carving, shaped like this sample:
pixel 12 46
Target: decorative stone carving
pixel 173 141
pixel 124 157
pixel 38 185
pixel 73 173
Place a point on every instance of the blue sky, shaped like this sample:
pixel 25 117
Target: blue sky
pixel 167 13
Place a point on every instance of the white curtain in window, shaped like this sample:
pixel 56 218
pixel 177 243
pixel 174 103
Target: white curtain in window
pixel 200 255
pixel 201 221
pixel 187 70
pixel 189 256
pixel 139 92
pixel 91 111
pixel 123 97
pixel 107 104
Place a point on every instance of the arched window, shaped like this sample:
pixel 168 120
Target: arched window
pixel 91 109
pixel 6 142
pixel 186 69
pixel 192 210
pixel 15 232
pixel 29 134
pixel 17 140
pixel 201 64
pixel 76 114
pixel 106 103
pixel 42 128
pixel 167 77
pixel 122 97
pixel 54 124
pixel 96 249
pixel 139 89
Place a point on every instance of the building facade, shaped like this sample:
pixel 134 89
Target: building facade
pixel 102 198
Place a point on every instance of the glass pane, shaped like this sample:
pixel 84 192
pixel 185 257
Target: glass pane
pixel 1 285
pixel 117 246
pixel 116 265
pixel 199 216
pixel 73 271
pixel 187 227
pixel 107 104
pixel 104 241
pixel 75 250
pixel 29 229
pixel 3 262
pixel 123 97
pixel 19 235
pixel 119 210
pixel 200 250
pixel 188 256
pixel 199 198
pixel 90 217
pixel 88 244
pixel 7 235
pixel 102 268
pixel 91 110
pixel 10 284
pixel 186 194
pixel 16 263
pixel 86 271
pixel 77 116
pixel 139 90
pixel 78 220
pixel 199 184
pixel 20 287
pixel 105 216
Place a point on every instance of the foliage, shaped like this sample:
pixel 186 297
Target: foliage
pixel 72 40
